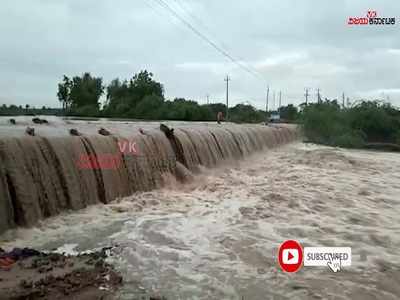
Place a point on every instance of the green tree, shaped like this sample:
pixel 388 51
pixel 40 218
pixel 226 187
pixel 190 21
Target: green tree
pixel 150 108
pixel 378 121
pixel 81 94
pixel 215 108
pixel 185 110
pixel 244 113
pixel 143 84
pixel 64 91
pixel 289 112
pixel 117 103
pixel 86 91
pixel 357 126
pixel 124 96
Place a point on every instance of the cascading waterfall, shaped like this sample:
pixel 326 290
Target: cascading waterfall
pixel 43 176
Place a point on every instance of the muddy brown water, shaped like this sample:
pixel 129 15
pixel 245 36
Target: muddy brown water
pixel 42 176
pixel 217 237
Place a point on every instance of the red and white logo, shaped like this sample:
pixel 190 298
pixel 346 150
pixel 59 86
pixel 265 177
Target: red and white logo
pixel 371 18
pixel 290 256
pixel 372 14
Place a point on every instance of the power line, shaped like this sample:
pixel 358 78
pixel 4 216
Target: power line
pixel 159 11
pixel 193 16
pixel 206 39
pixel 207 28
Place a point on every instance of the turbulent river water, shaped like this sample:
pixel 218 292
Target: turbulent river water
pixel 217 237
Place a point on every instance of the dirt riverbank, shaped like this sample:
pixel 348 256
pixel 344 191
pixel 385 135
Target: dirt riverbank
pixel 28 274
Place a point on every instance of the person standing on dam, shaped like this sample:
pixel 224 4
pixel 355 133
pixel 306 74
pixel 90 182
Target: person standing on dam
pixel 220 117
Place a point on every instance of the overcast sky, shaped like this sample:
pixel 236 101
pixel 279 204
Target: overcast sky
pixel 292 44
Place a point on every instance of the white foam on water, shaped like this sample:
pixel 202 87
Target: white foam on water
pixel 67 249
pixel 217 238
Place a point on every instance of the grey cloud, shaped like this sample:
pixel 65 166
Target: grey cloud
pixel 293 44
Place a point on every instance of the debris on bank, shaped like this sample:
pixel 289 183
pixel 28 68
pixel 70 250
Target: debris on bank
pixel 30 274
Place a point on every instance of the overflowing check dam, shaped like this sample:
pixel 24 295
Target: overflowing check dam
pixel 200 212
pixel 46 174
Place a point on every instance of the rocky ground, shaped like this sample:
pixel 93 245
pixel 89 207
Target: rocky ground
pixel 57 276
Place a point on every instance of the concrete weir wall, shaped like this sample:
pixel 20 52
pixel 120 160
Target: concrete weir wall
pixel 43 176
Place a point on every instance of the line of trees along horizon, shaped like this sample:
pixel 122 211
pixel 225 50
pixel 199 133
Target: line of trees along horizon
pixel 27 110
pixel 141 97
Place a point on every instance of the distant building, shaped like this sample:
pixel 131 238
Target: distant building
pixel 274 117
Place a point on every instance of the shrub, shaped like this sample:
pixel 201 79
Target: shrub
pixel 86 111
pixel 369 121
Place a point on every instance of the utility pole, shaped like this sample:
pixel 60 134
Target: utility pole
pixel 227 79
pixel 274 101
pixel 318 96
pixel 280 100
pixel 208 99
pixel 343 100
pixel 266 105
pixel 306 94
